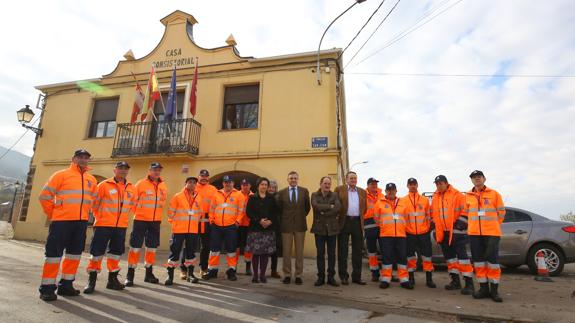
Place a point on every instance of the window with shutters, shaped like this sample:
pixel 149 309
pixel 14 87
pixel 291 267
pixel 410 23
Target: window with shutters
pixel 241 105
pixel 103 123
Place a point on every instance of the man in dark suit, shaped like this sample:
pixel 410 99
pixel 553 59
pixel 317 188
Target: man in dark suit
pixel 353 206
pixel 294 204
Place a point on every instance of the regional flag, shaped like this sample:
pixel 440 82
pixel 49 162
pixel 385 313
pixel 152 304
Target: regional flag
pixel 138 103
pixel 193 95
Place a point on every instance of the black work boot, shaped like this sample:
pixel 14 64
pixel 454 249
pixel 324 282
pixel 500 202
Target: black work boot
pixel 455 282
pixel 48 296
pixel 150 278
pixel 483 291
pixel 130 277
pixel 113 282
pixel 412 278
pixel 212 273
pixel 248 268
pixel 65 288
pixel 191 277
pixel 406 285
pixel 494 293
pixel 429 279
pixel 231 273
pixel 383 285
pixel 468 289
pixel 92 277
pixel 170 280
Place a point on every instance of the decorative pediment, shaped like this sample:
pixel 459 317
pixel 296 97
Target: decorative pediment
pixel 177 48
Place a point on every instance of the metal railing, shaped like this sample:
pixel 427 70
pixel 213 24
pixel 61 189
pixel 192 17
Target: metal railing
pixel 157 137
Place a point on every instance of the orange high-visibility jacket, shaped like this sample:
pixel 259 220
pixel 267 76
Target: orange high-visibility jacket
pixel 185 212
pixel 418 214
pixel 446 208
pixel 206 192
pixel 69 194
pixel 371 200
pixel 485 212
pixel 245 221
pixel 390 215
pixel 227 208
pixel 114 204
pixel 152 197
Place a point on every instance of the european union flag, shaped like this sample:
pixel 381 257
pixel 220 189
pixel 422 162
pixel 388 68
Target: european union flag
pixel 172 98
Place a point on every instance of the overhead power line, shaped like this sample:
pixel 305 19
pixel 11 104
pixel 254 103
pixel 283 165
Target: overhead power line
pixel 463 75
pixel 373 33
pixel 408 31
pixel 18 140
pixel 362 27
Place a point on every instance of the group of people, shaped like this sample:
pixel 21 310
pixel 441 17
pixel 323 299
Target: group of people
pixel 396 230
pixel 266 223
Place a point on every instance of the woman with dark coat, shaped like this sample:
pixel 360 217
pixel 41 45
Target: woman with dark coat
pixel 261 242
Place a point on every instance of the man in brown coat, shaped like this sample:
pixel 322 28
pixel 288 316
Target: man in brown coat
pixel 294 204
pixel 353 206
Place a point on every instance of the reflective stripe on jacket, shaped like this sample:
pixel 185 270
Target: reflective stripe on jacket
pixel 185 212
pixel 152 197
pixel 485 212
pixel 371 200
pixel 69 194
pixel 390 216
pixel 227 208
pixel 418 215
pixel 446 208
pixel 114 204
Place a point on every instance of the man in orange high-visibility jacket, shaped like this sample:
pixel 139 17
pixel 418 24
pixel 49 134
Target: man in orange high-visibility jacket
pixel 370 228
pixel 152 194
pixel 418 233
pixel 447 206
pixel 389 213
pixel 485 211
pixel 116 200
pixel 206 190
pixel 243 229
pixel 184 213
pixel 66 200
pixel 225 216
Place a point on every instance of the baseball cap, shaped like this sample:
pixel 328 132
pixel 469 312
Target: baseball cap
pixel 476 173
pixel 227 178
pixel 122 164
pixel 372 180
pixel 390 186
pixel 440 178
pixel 204 172
pixel 411 180
pixel 82 151
pixel 156 165
pixel 192 178
pixel 245 182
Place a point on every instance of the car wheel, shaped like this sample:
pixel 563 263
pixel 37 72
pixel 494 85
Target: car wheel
pixel 553 258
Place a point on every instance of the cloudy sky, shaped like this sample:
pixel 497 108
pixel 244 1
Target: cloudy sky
pixel 403 118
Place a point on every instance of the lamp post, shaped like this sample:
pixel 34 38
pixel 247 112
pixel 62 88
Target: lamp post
pixel 325 31
pixel 25 115
pixel 16 185
pixel 359 163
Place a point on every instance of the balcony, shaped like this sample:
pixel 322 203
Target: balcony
pixel 157 137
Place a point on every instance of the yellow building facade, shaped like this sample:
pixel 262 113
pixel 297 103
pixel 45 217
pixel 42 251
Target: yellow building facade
pixel 255 117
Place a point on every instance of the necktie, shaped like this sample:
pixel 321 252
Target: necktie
pixel 293 195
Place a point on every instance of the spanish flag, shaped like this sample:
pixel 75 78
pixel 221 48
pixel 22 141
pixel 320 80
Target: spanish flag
pixel 152 94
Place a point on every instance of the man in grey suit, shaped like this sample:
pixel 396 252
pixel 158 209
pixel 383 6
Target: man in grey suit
pixel 294 204
pixel 353 206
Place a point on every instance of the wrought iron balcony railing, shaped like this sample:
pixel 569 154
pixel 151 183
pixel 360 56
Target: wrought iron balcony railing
pixel 157 137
